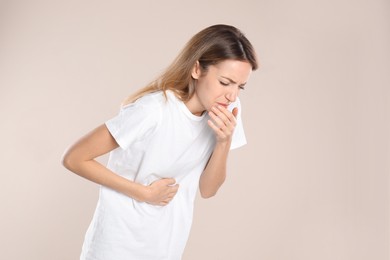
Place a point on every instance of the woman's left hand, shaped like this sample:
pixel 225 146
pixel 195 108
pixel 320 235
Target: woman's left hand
pixel 223 122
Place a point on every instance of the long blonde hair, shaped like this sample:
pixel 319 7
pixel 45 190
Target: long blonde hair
pixel 210 46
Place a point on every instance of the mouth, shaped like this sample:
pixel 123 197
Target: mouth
pixel 222 104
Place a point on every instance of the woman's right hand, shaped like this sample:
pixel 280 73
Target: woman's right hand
pixel 161 192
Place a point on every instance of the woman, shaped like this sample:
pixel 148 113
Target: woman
pixel 169 139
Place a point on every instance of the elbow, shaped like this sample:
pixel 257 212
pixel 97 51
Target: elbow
pixel 208 190
pixel 207 193
pixel 67 161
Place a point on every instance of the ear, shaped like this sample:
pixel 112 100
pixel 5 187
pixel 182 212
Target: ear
pixel 196 71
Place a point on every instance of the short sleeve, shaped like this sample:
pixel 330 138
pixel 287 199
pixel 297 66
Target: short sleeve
pixel 135 122
pixel 238 138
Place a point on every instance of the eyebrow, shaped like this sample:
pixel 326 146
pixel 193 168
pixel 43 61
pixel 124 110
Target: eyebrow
pixel 232 81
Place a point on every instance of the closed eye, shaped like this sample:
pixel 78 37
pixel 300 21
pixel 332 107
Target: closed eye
pixel 241 87
pixel 224 83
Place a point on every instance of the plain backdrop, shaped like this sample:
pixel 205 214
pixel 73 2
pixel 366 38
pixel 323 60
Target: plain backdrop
pixel 313 181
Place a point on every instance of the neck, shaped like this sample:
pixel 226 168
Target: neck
pixel 195 106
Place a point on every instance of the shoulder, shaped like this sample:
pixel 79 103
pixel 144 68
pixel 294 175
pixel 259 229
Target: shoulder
pixel 137 121
pixel 149 101
pixel 145 110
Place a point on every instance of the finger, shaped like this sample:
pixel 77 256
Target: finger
pixel 226 128
pixel 218 131
pixel 174 188
pixel 227 116
pixel 169 198
pixel 169 181
pixel 166 201
pixel 217 120
pixel 235 112
pixel 172 193
pixel 218 111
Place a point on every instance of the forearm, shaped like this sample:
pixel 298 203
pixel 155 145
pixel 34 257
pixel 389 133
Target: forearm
pixel 96 172
pixel 80 159
pixel 215 172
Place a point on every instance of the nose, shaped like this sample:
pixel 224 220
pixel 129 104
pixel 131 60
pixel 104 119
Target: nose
pixel 231 95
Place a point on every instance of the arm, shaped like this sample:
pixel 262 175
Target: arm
pixel 80 159
pixel 215 172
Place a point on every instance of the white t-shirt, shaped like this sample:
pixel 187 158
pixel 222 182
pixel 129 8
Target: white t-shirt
pixel 158 138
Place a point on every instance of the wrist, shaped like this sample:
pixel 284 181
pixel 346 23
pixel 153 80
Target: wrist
pixel 140 192
pixel 225 144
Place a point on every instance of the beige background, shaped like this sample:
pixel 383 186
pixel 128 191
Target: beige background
pixel 313 182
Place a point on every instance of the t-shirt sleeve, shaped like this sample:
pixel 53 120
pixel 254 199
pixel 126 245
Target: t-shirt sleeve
pixel 135 122
pixel 238 138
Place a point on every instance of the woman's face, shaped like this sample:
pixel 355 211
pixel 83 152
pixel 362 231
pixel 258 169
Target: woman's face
pixel 219 85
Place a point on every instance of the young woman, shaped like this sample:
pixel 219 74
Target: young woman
pixel 169 139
